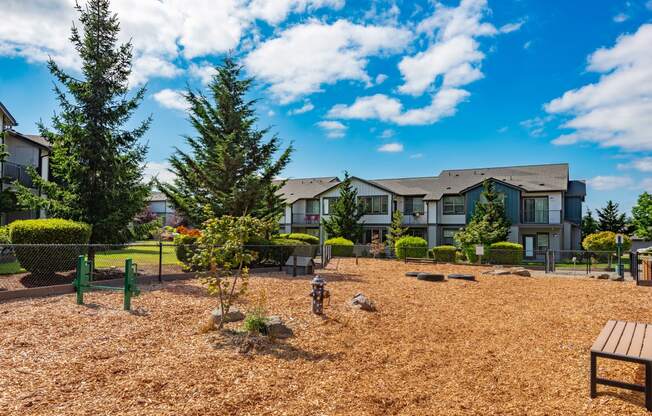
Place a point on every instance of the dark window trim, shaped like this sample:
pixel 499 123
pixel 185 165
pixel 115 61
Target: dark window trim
pixel 443 210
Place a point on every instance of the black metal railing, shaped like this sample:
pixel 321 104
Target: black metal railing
pixel 541 216
pixel 414 219
pixel 305 218
pixel 17 172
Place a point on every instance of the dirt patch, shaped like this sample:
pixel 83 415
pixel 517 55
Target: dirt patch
pixel 501 345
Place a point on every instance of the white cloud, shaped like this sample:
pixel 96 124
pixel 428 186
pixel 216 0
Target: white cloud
pixel 391 148
pixel 617 110
pixel 527 45
pixel 646 183
pixel 536 125
pixel 511 27
pixel 159 170
pixel 620 17
pixel 387 133
pixel 380 78
pixel 416 156
pixel 203 71
pixel 644 164
pixel 609 183
pixel 385 108
pixel 503 129
pixel 173 99
pixel 162 31
pixel 334 129
pixel 307 106
pixel 306 56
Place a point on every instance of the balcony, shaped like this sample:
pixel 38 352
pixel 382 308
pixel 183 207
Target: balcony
pixel 16 172
pixel 541 216
pixel 414 219
pixel 305 219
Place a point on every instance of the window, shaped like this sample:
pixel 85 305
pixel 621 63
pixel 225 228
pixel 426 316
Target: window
pixel 448 236
pixel 374 204
pixel 535 210
pixel 328 202
pixel 312 206
pixel 418 232
pixel 543 242
pixel 413 205
pixel 453 205
pixel 371 234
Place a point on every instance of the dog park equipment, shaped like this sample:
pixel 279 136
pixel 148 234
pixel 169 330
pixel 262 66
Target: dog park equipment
pixel 84 278
pixel 624 341
pixel 318 294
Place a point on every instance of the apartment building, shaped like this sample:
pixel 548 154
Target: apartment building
pixel 24 151
pixel 542 203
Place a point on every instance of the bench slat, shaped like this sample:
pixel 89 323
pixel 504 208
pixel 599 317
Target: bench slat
pixel 614 338
pixel 626 338
pixel 646 351
pixel 598 345
pixel 637 341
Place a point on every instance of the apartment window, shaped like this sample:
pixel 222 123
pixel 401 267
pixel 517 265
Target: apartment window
pixel 312 206
pixel 328 203
pixel 535 210
pixel 413 205
pixel 375 205
pixel 543 241
pixel 453 205
pixel 448 236
pixel 417 232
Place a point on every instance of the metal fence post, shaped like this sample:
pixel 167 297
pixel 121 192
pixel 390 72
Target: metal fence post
pixel 294 265
pixel 160 261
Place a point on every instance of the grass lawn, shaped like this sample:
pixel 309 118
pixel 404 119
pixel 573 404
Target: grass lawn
pixel 504 345
pixel 142 253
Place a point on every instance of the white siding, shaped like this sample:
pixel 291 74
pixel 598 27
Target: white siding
pixel 432 236
pixel 364 189
pixel 431 208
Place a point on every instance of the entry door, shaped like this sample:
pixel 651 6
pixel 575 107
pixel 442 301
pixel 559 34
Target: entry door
pixel 528 243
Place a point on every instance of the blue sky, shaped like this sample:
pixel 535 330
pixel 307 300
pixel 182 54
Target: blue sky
pixel 385 88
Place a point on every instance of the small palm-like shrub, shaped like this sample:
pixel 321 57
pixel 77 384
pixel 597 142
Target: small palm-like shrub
pixel 445 254
pixel 411 247
pixel 340 246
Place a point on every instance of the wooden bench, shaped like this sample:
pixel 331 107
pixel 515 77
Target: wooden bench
pixel 624 341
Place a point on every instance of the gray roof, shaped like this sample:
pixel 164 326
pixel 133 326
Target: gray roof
pixel 530 178
pixel 12 120
pixel 306 188
pixel 409 186
pixel 38 140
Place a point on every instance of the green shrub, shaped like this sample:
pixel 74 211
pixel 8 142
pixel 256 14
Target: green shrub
pixel 185 248
pixel 411 247
pixel 277 251
pixel 306 238
pixel 340 247
pixel 49 259
pixel 444 254
pixel 505 252
pixel 4 235
pixel 256 323
pixel 604 241
pixel 145 231
pixel 469 253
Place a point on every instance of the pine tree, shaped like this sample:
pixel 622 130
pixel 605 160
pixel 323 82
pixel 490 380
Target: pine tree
pixel 396 229
pixel 589 224
pixel 642 216
pixel 610 219
pixel 96 163
pixel 230 169
pixel 489 223
pixel 345 213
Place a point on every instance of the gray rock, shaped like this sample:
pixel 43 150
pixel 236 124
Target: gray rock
pixel 617 279
pixel 277 329
pixel 602 276
pixel 521 272
pixel 234 315
pixel 362 302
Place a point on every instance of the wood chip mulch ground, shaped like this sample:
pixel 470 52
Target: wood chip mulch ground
pixel 502 345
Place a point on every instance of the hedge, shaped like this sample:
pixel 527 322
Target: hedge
pixel 411 247
pixel 444 254
pixel 306 238
pixel 604 241
pixel 277 251
pixel 340 247
pixel 505 252
pixel 49 259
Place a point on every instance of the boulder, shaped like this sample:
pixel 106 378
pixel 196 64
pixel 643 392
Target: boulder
pixel 521 272
pixel 430 277
pixel 360 301
pixel 469 277
pixel 234 315
pixel 275 328
pixel 603 276
pixel 412 274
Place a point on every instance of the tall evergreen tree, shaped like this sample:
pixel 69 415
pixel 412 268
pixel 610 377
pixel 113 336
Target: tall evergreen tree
pixel 589 224
pixel 96 163
pixel 396 228
pixel 230 169
pixel 489 223
pixel 610 219
pixel 345 213
pixel 642 216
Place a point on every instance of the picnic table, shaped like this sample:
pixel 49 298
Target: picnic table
pixel 624 341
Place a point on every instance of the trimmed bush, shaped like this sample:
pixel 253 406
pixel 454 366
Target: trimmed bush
pixel 277 251
pixel 444 254
pixel 505 252
pixel 469 253
pixel 4 235
pixel 306 238
pixel 341 247
pixel 411 247
pixel 604 241
pixel 46 260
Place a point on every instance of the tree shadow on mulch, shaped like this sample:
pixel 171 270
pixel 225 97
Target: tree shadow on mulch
pixel 38 280
pixel 183 289
pixel 249 344
pixel 333 277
